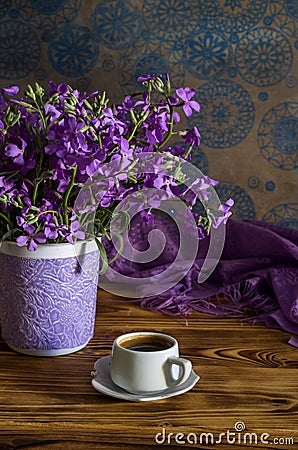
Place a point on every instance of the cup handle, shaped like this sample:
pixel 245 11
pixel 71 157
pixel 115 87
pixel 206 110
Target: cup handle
pixel 185 366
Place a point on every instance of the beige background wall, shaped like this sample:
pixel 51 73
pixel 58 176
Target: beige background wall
pixel 240 56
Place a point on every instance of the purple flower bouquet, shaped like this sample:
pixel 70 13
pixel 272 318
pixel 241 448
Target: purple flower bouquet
pixel 53 146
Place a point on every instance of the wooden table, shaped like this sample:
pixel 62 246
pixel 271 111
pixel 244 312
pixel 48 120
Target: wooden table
pixel 249 375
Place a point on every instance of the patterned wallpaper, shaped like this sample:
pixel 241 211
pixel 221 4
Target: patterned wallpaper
pixel 240 56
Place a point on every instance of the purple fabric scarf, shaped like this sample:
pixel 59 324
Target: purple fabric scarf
pixel 256 277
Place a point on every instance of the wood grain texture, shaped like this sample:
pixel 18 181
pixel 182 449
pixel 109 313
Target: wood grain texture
pixel 248 374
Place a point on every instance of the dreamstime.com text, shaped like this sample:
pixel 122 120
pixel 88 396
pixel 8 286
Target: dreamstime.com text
pixel 238 436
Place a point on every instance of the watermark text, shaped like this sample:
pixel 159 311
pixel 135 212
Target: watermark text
pixel 238 436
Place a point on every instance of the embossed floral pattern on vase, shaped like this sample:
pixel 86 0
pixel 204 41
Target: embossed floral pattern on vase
pixel 48 304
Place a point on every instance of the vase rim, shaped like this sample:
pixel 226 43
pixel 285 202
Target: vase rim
pixel 50 251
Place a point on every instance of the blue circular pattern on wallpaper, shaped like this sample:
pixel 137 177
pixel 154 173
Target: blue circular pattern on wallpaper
pixel 46 7
pixel 150 60
pixel 174 49
pixel 268 20
pixel 243 207
pixel 200 160
pixel 285 215
pixel 199 157
pixel 207 55
pixel 108 65
pixel 263 96
pixel 278 136
pixel 4 7
pixel 73 50
pixel 83 84
pixel 292 8
pixel 284 15
pixel 227 113
pixel 270 186
pixel 116 23
pixel 164 17
pixel 20 50
pixel 292 81
pixel 253 182
pixel 40 74
pixel 236 16
pixel 131 69
pixel 263 57
pixel 47 15
pixel 150 64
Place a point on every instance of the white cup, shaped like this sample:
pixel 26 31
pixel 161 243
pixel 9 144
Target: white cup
pixel 148 362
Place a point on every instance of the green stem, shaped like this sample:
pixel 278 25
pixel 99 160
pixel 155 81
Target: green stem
pixel 41 144
pixel 51 211
pixel 187 151
pixel 65 201
pixel 171 125
pixel 132 115
pixel 99 140
pixel 35 193
pixel 41 115
pixel 143 118
pixel 6 219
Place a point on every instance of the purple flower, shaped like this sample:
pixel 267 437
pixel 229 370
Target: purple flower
pixel 147 78
pixel 176 150
pixel 30 239
pixel 12 90
pixel 111 120
pixel 173 100
pixel 24 193
pixel 186 95
pixel 125 149
pixel 61 88
pixel 224 209
pixel 51 231
pixel 147 216
pixel 193 137
pixel 127 104
pixel 200 188
pixel 53 112
pixel 20 221
pixel 75 139
pixel 53 143
pixel 75 232
pixel 210 180
pixel 165 183
pixel 93 166
pixel 6 185
pixel 16 151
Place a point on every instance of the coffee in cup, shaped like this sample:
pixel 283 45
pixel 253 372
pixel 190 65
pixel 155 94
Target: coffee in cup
pixel 145 342
pixel 148 362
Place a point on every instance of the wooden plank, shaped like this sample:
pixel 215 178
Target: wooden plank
pixel 248 374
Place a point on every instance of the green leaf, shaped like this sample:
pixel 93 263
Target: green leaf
pixel 30 92
pixel 120 239
pixel 122 222
pixel 45 175
pixel 28 106
pixel 8 234
pixel 85 128
pixel 87 104
pixel 104 258
pixel 39 90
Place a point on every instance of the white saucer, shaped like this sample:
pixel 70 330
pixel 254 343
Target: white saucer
pixel 103 383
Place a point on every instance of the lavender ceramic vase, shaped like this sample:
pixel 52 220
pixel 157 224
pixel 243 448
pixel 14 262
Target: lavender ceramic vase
pixel 48 297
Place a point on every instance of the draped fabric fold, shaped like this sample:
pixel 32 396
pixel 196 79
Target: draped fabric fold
pixel 255 279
